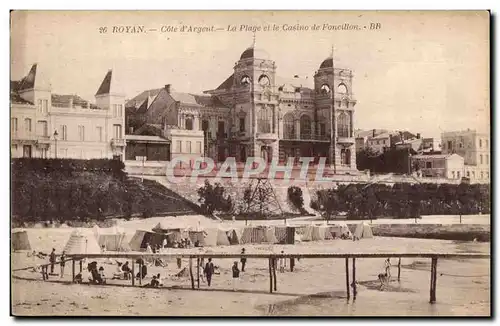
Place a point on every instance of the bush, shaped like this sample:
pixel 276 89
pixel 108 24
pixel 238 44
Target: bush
pixel 403 200
pixel 295 198
pixel 213 198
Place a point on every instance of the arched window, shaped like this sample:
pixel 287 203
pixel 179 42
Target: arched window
pixel 265 119
pixel 343 125
pixel 189 123
pixel 305 127
pixel 342 89
pixel 288 126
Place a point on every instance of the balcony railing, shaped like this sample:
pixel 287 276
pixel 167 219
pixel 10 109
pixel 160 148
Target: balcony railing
pixel 118 142
pixel 306 137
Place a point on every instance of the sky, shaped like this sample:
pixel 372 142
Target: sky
pixel 426 72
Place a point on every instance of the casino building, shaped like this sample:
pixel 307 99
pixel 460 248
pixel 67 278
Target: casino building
pixel 253 112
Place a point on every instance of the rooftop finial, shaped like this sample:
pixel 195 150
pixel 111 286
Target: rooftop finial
pixel 333 49
pixel 253 42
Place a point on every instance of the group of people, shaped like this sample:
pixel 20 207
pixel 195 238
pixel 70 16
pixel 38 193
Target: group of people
pixel 52 263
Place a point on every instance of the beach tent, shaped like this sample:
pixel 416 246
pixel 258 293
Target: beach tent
pixel 234 236
pixel 80 243
pixel 210 239
pixel 338 229
pixel 318 233
pixel 253 234
pixel 223 237
pixel 141 238
pixel 281 234
pixel 363 230
pixel 269 235
pixel 20 241
pixel 113 239
pixel 196 236
pixel 307 234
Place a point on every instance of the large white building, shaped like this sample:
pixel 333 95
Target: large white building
pixel 48 125
pixel 254 113
pixel 474 147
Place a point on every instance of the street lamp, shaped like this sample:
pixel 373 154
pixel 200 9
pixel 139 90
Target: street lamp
pixel 55 141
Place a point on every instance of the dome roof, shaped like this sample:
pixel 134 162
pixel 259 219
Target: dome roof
pixel 327 63
pixel 252 52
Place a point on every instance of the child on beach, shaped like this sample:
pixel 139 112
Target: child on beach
pixel 387 267
pixel 52 260
pixel 243 260
pixel 63 263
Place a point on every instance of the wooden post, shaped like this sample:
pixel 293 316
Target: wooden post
pixel 81 266
pixel 141 261
pixel 347 278
pixel 191 272
pixel 399 270
pixel 270 276
pixel 292 264
pixel 73 269
pixel 133 272
pixel 198 272
pixel 433 280
pixel 274 275
pixel 354 290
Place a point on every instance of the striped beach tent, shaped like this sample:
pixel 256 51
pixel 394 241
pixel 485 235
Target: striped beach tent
pixel 80 244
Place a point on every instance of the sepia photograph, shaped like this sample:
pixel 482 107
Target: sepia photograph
pixel 250 163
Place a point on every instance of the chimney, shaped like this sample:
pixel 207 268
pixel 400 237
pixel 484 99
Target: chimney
pixel 167 88
pixel 418 135
pixel 71 102
pixel 373 133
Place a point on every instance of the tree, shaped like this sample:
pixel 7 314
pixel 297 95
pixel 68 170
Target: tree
pixel 213 198
pixel 295 198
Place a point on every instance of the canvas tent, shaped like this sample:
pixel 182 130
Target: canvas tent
pixel 20 241
pixel 141 238
pixel 258 234
pixel 113 239
pixel 338 229
pixel 318 232
pixel 210 239
pixel 234 236
pixel 223 238
pixel 80 244
pixel 363 230
pixel 307 233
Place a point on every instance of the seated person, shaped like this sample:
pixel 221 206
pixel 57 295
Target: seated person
pixel 153 284
pixel 102 276
pixel 126 271
pixel 78 278
pixel 118 273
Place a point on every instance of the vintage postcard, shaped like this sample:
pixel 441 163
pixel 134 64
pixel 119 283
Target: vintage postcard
pixel 250 163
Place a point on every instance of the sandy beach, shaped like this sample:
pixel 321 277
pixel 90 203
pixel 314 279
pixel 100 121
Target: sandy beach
pixel 315 287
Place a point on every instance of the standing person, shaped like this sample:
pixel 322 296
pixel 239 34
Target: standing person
pixel 387 266
pixel 179 262
pixel 243 260
pixel 282 263
pixel 236 275
pixel 52 260
pixel 209 271
pixel 63 263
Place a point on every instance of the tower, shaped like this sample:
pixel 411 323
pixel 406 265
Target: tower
pixel 254 83
pixel 335 101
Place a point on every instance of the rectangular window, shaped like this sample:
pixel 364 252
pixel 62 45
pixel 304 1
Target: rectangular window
pixel 99 133
pixel 242 124
pixel 64 132
pixel 117 131
pixel 480 143
pixel 43 106
pixel 27 125
pixel 13 124
pixel 27 151
pixel 482 175
pixel 468 174
pixel 473 174
pixel 458 174
pixel 486 143
pixel 453 174
pixel 188 147
pixel 179 146
pixel 198 147
pixel 42 129
pixel 449 145
pixel 428 165
pixel 81 133
pixel 487 159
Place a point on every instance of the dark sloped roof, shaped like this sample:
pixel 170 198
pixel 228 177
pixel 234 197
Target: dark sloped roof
pixel 105 87
pixel 149 129
pixel 227 84
pixel 197 100
pixel 14 95
pixel 327 63
pixel 28 82
pixel 139 99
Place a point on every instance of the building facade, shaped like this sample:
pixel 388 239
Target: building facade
pixel 474 147
pixel 449 166
pixel 48 125
pixel 255 113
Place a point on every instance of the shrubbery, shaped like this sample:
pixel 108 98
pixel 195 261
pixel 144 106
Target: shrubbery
pixel 214 198
pixel 79 190
pixel 296 199
pixel 403 200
